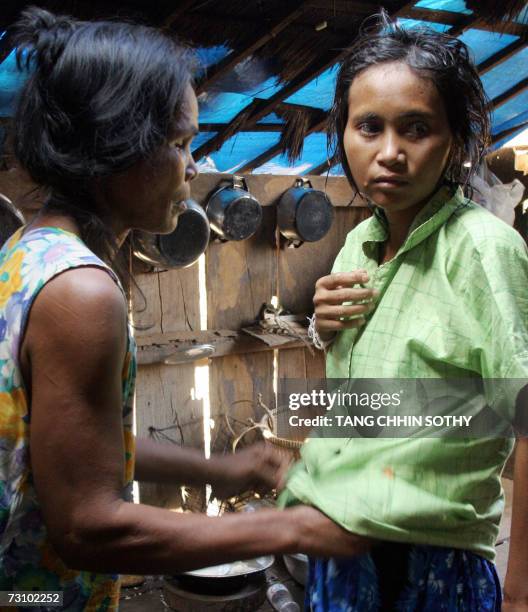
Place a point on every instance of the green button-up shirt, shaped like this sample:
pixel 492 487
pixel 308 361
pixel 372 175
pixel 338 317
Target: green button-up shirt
pixel 453 303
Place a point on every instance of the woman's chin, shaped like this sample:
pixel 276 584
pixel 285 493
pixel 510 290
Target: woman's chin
pixel 388 201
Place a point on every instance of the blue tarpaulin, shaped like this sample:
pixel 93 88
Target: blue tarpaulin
pixel 249 82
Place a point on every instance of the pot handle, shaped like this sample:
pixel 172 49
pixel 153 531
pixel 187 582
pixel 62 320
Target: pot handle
pixel 303 182
pixel 239 182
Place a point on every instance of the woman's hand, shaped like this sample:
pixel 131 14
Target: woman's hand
pixel 259 467
pixel 320 536
pixel 332 292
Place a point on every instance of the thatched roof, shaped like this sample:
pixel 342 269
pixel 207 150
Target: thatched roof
pixel 278 47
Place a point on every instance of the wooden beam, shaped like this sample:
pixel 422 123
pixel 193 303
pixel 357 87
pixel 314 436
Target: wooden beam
pixel 263 36
pixel 350 8
pixel 184 6
pixel 509 94
pixel 421 14
pixel 453 18
pixel 324 167
pixel 464 23
pixel 501 56
pixel 500 135
pixel 158 348
pixel 259 127
pixel 262 108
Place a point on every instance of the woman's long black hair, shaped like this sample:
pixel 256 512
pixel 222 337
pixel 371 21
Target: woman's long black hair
pixel 101 96
pixel 433 55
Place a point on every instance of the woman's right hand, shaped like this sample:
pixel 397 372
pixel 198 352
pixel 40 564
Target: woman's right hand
pixel 320 536
pixel 331 293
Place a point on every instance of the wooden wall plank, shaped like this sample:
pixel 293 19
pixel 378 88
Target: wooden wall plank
pixel 299 269
pixel 166 408
pixel 240 277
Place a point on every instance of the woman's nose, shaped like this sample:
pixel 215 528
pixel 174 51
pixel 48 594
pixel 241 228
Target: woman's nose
pixel 390 152
pixel 191 172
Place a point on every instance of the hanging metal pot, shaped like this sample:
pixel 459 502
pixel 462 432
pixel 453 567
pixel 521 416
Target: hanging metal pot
pixel 180 248
pixel 234 214
pixel 304 214
pixel 10 219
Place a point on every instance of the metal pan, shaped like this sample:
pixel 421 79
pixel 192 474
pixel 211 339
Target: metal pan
pixel 234 214
pixel 225 578
pixel 180 248
pixel 304 214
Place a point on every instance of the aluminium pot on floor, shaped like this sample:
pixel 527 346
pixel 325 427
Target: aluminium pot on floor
pixel 239 586
pixel 180 248
pixel 234 214
pixel 304 214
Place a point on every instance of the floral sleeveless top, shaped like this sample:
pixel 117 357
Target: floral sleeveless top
pixel 27 559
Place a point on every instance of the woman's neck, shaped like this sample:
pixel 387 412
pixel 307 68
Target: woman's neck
pixel 49 218
pixel 399 224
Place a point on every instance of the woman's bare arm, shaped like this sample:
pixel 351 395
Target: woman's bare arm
pixel 73 353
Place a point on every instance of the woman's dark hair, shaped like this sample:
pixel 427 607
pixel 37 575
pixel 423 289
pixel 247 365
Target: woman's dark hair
pixel 433 55
pixel 101 96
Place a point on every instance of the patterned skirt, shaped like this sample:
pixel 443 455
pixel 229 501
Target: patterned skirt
pixel 404 578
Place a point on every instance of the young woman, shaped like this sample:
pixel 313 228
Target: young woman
pixel 104 123
pixel 446 298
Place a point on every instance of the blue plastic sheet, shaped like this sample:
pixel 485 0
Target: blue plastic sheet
pixel 264 90
pixel 505 140
pixel 201 139
pixel 271 118
pixel 456 6
pixel 506 75
pixel 208 56
pixel 511 109
pixel 318 93
pixel 483 44
pixel 314 153
pixel 242 148
pixel 11 82
pixel 416 23
pixel 222 107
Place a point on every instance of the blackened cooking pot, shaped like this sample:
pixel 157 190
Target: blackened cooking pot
pixel 234 214
pixel 180 248
pixel 304 214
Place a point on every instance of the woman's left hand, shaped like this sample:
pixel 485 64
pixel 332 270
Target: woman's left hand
pixel 259 467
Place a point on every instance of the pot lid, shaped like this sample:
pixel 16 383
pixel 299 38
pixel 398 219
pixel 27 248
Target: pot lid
pixel 237 568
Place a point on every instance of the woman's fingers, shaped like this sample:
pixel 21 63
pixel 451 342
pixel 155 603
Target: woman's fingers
pixel 338 296
pixel 331 325
pixel 342 279
pixel 328 311
pixel 340 304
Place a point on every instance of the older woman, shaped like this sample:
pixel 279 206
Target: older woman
pixel 105 125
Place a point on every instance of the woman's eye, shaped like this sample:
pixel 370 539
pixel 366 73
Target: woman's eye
pixel 418 129
pixel 178 144
pixel 369 128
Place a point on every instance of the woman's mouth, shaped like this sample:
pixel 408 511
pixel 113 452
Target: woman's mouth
pixel 390 182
